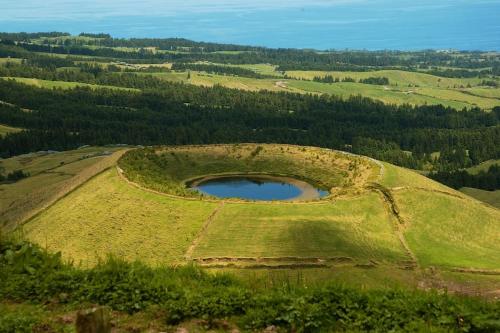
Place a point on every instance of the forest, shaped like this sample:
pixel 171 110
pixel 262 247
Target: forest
pixel 148 110
pixel 184 114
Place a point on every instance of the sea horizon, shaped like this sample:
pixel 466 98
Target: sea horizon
pixel 321 25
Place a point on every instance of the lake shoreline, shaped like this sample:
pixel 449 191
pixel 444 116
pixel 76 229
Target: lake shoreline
pixel 307 191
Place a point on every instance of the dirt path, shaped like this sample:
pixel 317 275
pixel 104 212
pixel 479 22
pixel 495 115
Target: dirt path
pixel 196 241
pixel 393 209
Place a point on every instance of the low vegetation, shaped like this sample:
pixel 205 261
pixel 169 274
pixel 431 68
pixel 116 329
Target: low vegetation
pixel 178 294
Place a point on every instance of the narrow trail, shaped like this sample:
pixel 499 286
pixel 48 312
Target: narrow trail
pixel 393 209
pixel 196 241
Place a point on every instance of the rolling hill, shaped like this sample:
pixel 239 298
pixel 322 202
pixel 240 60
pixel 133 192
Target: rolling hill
pixel 389 221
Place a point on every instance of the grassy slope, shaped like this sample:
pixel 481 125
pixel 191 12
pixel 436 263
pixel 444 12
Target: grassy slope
pixel 448 231
pixel 61 84
pixel 482 167
pixel 47 178
pixel 431 89
pixel 107 215
pixel 489 197
pixel 359 228
pixel 443 227
pixel 4 129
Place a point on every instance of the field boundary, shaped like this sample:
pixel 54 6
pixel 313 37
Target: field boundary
pixel 71 185
pixel 203 230
pixel 392 208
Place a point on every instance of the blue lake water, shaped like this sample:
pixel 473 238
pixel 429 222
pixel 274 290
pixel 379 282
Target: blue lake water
pixel 251 188
pixel 320 24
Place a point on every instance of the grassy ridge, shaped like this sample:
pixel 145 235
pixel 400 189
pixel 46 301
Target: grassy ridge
pixel 166 170
pixel 51 175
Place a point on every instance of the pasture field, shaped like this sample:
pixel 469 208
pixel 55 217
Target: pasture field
pixel 398 78
pixel 483 92
pixel 443 230
pixel 12 60
pixel 108 216
pixel 62 84
pixel 51 176
pixel 35 163
pixel 490 197
pixel 357 228
pixel 4 129
pixel 482 167
pixel 405 87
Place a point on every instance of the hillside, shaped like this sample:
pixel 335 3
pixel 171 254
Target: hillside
pixel 173 185
pixel 368 227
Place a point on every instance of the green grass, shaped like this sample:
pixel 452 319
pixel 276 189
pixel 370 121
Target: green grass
pixel 489 197
pixel 405 87
pixel 396 77
pixel 189 299
pixel 429 91
pixel 7 60
pixel 389 95
pixel 378 277
pixel 35 163
pixel 108 216
pixel 482 167
pixel 359 228
pixel 447 231
pixel 49 175
pixel 4 129
pixel 62 84
pixel 397 177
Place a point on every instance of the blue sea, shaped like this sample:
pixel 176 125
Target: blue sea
pixel 318 24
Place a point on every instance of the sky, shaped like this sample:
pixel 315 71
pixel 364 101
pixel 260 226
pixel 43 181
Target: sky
pixel 322 24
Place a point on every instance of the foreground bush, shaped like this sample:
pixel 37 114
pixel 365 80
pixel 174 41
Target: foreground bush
pixel 28 273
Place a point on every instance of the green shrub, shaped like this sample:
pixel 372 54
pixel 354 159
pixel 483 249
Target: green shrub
pixel 28 273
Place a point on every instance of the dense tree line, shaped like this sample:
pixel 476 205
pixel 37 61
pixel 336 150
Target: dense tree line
pixel 331 79
pixel 185 114
pixel 368 80
pixel 219 69
pixel 486 180
pixel 381 81
pixel 285 59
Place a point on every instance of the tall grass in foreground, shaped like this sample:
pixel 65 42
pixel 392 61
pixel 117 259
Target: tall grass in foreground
pixel 27 273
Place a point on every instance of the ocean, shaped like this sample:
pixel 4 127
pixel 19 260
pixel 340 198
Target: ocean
pixel 318 24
